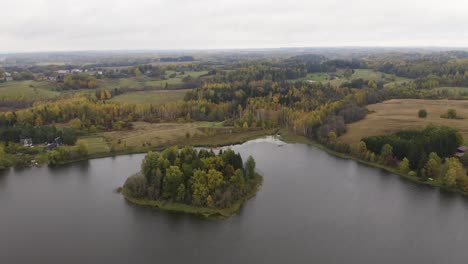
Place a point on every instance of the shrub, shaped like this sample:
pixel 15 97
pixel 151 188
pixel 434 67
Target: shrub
pixel 422 113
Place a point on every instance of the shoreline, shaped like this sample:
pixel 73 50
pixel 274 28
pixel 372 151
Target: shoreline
pixel 203 142
pixel 204 212
pixel 287 137
pixel 297 139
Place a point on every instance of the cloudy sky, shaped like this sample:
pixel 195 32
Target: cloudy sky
pixel 57 25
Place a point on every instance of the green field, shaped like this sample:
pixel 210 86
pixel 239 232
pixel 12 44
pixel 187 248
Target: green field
pixel 26 91
pixel 365 74
pixel 318 77
pixel 151 97
pixel 96 144
pixel 144 82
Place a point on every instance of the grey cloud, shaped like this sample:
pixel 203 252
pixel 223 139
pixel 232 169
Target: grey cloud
pixel 144 24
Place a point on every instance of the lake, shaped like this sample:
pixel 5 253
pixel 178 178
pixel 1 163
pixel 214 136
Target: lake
pixel 312 208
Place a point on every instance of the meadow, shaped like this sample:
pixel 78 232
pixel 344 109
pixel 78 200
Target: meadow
pixel 146 136
pixel 143 82
pixel 393 115
pixel 26 91
pixel 365 74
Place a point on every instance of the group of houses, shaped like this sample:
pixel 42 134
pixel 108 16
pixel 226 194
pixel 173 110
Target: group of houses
pixel 28 142
pixel 59 75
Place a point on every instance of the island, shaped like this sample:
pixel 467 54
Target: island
pixel 194 181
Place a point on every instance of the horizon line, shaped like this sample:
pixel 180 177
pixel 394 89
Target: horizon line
pixel 427 47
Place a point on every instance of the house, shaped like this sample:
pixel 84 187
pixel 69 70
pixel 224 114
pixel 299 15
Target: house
pixel 52 78
pixel 52 146
pixel 461 151
pixel 63 71
pixel 58 141
pixel 8 77
pixel 27 142
pixel 76 71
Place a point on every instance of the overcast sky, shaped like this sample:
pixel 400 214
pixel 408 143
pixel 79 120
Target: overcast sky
pixel 57 25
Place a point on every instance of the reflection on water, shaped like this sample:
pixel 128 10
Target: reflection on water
pixel 312 208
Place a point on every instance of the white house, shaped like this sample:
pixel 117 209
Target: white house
pixel 8 77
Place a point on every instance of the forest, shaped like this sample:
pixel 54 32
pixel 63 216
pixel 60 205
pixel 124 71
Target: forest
pixel 195 177
pixel 312 95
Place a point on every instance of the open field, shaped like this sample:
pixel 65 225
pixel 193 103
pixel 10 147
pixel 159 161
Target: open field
pixel 144 82
pixel 26 91
pixel 96 144
pixel 146 136
pixel 394 115
pixel 151 97
pixel 365 74
pixel 160 134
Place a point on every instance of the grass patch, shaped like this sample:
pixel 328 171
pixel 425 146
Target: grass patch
pixel 27 91
pixel 96 144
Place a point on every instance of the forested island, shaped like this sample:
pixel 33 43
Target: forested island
pixel 194 181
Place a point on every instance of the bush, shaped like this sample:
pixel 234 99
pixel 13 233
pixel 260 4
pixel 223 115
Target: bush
pixel 422 113
pixel 451 114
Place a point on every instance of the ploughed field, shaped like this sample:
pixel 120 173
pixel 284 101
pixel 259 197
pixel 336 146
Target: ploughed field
pixel 396 114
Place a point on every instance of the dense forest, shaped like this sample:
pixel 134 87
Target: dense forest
pixel 194 177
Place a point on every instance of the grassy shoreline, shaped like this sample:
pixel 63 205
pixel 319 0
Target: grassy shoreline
pixel 205 212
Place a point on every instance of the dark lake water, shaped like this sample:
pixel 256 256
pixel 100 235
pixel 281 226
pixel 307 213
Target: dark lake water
pixel 312 208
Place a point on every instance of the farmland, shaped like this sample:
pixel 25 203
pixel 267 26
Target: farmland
pixel 393 115
pixel 26 91
pixel 145 136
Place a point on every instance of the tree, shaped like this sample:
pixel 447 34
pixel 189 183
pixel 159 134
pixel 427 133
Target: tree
pixel 180 193
pixel 331 137
pixel 136 186
pixel 454 173
pixel 386 153
pixel 451 113
pixel 82 148
pixel 214 179
pixel 75 123
pixel 250 168
pixel 171 182
pixel 348 73
pixel 433 165
pixel 404 166
pixel 422 113
pixel 199 187
pixel 209 201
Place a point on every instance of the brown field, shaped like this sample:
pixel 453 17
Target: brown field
pixel 394 115
pixel 154 134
